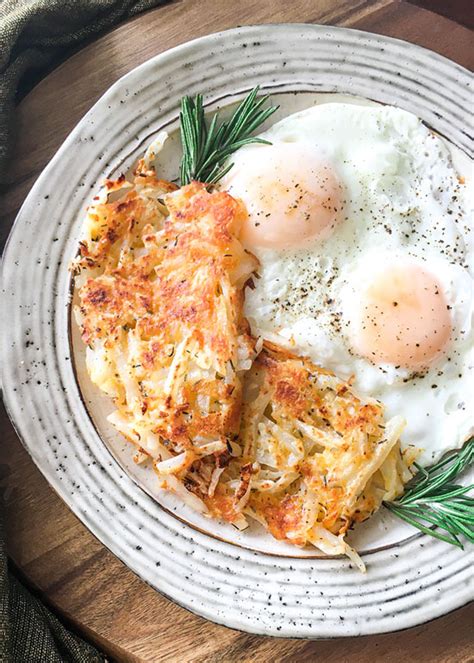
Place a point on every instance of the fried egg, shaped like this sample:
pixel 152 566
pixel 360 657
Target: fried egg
pixel 361 226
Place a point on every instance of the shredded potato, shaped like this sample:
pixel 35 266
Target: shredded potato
pixel 322 458
pixel 160 276
pixel 160 310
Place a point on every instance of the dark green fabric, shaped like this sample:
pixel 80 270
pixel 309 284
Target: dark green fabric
pixel 31 633
pixel 34 35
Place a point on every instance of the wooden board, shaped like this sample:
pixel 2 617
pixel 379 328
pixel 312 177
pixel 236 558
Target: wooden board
pixel 70 569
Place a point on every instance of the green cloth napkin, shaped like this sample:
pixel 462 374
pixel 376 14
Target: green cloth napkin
pixel 29 631
pixel 34 35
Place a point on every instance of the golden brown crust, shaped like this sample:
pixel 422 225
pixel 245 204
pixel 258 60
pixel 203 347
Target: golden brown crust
pixel 162 275
pixel 172 298
pixel 307 420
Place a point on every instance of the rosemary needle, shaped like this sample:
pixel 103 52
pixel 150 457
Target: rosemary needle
pixel 206 147
pixel 435 505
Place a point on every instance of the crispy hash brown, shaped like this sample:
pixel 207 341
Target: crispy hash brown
pixel 316 458
pixel 160 277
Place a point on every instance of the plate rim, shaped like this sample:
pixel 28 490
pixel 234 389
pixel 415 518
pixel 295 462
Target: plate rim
pixel 58 155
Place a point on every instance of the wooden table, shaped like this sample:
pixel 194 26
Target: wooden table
pixel 71 570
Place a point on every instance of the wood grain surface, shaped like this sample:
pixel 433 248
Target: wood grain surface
pixel 58 556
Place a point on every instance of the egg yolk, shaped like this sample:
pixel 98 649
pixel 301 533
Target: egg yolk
pixel 291 196
pixel 404 318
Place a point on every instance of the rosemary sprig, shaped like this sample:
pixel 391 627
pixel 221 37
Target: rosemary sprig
pixel 433 499
pixel 207 147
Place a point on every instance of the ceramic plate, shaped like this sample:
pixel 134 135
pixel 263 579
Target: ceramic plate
pixel 245 580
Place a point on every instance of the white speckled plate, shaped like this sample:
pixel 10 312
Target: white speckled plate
pixel 243 580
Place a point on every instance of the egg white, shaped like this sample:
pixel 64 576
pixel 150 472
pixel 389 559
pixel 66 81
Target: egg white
pixel 403 200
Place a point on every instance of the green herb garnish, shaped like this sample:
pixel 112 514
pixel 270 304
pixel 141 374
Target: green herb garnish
pixel 431 498
pixel 431 502
pixel 207 147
